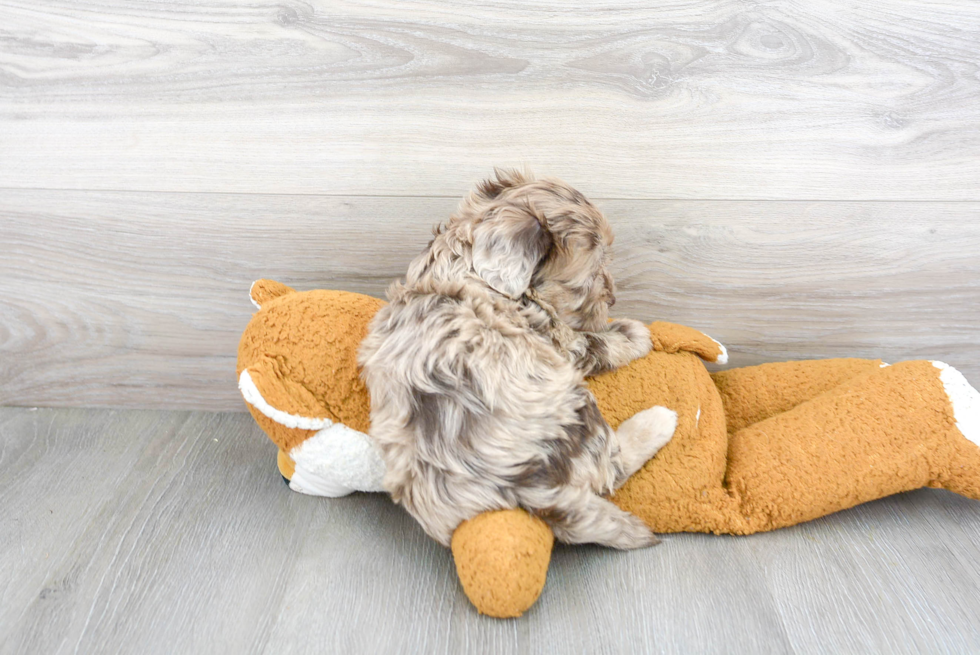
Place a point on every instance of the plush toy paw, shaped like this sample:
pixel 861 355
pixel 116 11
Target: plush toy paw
pixel 642 436
pixel 964 399
pixel 337 461
pixel 673 338
pixel 502 560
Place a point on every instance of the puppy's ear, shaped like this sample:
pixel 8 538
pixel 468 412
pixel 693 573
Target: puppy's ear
pixel 504 178
pixel 507 247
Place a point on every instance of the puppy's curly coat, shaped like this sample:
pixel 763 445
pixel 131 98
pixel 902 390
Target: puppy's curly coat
pixel 475 369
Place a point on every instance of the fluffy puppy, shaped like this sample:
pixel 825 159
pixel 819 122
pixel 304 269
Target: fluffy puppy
pixel 475 369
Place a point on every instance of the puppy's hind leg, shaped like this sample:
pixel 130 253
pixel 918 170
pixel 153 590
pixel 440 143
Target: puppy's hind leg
pixel 578 516
pixel 641 436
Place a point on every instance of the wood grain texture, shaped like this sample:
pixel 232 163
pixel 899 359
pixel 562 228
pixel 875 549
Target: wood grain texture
pixel 714 99
pixel 139 299
pixel 799 179
pixel 164 532
pixel 140 532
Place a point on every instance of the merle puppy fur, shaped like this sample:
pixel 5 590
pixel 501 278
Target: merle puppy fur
pixel 475 369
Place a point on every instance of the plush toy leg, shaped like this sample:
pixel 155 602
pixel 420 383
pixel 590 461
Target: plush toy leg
pixel 963 475
pixel 754 393
pixel 502 560
pixel 894 429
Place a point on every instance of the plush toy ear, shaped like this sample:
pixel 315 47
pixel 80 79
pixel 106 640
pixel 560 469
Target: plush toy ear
pixel 264 290
pixel 507 247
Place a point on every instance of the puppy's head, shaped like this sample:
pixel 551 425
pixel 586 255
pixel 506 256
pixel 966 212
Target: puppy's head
pixel 545 236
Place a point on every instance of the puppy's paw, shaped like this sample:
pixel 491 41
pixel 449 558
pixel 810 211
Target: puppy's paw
pixel 633 533
pixel 637 335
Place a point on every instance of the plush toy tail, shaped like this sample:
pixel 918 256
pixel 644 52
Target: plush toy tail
pixel 263 291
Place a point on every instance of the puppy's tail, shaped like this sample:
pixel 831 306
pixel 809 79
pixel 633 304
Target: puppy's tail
pixel 579 516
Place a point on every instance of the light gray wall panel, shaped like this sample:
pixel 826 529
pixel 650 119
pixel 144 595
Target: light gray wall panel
pixel 714 99
pixel 138 299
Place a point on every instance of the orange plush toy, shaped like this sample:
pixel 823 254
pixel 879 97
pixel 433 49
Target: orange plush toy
pixel 755 448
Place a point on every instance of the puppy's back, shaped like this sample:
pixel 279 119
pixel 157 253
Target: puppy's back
pixel 466 401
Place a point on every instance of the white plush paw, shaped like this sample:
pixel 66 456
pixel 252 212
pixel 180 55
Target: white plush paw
pixel 654 427
pixel 723 357
pixel 964 399
pixel 310 483
pixel 643 435
pixel 337 461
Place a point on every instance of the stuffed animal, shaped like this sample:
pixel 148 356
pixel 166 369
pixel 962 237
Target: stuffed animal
pixel 755 448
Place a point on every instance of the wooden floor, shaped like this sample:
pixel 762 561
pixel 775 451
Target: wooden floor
pixel 798 178
pixel 171 532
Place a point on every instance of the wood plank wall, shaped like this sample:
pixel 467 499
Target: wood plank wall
pixel 798 179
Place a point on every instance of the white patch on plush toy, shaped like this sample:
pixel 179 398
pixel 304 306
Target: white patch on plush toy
pixel 254 398
pixel 336 461
pixel 883 365
pixel 964 399
pixel 723 357
pixel 643 434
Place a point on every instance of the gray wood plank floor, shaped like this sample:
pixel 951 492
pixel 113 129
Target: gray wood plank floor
pixel 171 532
pixel 797 178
